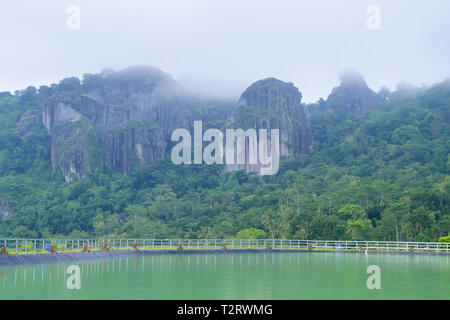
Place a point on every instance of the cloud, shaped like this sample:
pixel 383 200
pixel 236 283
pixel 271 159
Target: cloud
pixel 223 46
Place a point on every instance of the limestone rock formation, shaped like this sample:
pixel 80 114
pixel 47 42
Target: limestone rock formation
pixel 273 104
pixel 27 121
pixel 124 119
pixel 116 119
pixel 352 98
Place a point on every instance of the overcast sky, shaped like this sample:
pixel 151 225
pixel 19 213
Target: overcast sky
pixel 222 46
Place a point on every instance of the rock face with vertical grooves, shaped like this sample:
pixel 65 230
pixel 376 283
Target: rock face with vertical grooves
pixel 124 119
pixel 273 104
pixel 117 119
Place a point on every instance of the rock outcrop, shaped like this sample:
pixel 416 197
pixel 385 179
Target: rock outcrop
pixel 352 98
pixel 118 119
pixel 28 121
pixel 124 119
pixel 272 104
pixel 68 130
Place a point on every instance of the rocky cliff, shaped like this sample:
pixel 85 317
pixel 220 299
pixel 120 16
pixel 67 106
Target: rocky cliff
pixel 115 119
pixel 123 119
pixel 273 104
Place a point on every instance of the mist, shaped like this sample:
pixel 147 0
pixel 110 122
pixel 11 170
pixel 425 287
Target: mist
pixel 218 48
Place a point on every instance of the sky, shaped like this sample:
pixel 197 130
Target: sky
pixel 220 47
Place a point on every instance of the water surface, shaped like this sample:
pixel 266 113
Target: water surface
pixel 235 276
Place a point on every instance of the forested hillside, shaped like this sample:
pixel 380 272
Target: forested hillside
pixel 378 168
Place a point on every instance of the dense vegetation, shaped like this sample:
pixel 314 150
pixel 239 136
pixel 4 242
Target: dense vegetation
pixel 384 176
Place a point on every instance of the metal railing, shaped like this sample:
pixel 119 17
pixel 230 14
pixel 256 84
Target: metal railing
pixel 30 246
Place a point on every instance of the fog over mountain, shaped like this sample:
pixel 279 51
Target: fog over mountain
pixel 219 48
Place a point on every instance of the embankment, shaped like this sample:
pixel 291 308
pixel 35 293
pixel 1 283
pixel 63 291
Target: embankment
pixel 24 259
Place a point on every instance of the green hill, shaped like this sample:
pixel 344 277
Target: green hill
pixel 378 168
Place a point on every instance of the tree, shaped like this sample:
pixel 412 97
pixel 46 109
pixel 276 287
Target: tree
pixel 135 212
pixel 394 216
pixel 205 232
pixel 251 233
pixel 352 212
pixel 355 229
pixel 272 222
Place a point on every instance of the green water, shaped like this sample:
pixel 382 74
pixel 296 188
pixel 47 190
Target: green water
pixel 236 276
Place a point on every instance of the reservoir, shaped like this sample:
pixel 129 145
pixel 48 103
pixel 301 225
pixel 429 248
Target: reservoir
pixel 308 275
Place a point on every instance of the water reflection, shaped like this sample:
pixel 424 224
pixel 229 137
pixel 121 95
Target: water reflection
pixel 221 276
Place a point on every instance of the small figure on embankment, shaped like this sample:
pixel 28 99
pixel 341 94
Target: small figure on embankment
pixel 105 246
pixel 3 250
pixel 135 247
pixel 224 246
pixel 180 246
pixel 85 248
pixel 52 248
